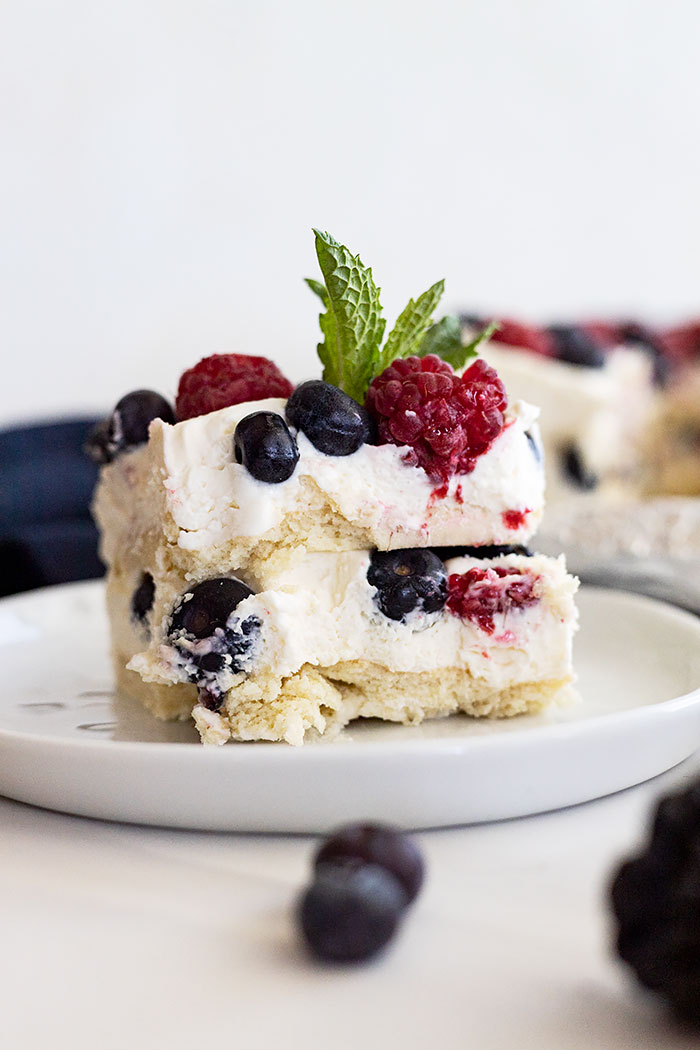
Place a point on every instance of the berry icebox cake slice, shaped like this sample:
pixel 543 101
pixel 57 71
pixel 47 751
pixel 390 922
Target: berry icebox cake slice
pixel 283 560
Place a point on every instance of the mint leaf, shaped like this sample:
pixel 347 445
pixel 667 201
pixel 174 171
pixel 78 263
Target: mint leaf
pixel 411 326
pixel 352 324
pixel 318 289
pixel 445 340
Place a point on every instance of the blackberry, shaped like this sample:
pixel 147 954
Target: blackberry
pixel 142 598
pixel 576 346
pixel 656 902
pixel 333 422
pixel 263 443
pixel 575 468
pixel 378 844
pixel 206 637
pixel 351 911
pixel 408 580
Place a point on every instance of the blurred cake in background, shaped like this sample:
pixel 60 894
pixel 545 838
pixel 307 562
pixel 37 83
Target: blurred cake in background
pixel 620 404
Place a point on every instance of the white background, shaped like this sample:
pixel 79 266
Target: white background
pixel 164 161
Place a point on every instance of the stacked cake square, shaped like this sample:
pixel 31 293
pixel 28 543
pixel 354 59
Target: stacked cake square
pixel 281 566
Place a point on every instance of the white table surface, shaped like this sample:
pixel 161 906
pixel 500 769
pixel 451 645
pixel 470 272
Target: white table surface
pixel 117 936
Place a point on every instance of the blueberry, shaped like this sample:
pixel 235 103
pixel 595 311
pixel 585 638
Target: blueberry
pixel 536 445
pixel 575 468
pixel 379 844
pixel 575 346
pixel 200 630
pixel 142 598
pixel 408 580
pixel 97 446
pixel 128 425
pixel 489 550
pixel 644 338
pixel 351 911
pixel 263 444
pixel 333 422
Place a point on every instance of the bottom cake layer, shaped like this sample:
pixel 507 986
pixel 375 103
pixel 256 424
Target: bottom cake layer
pixel 322 701
pixel 318 641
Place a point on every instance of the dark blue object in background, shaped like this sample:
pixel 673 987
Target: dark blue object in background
pixel 47 535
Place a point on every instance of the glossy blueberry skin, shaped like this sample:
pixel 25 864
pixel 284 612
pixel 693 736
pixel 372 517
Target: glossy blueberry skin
pixel 351 911
pixel 332 421
pixel 408 580
pixel 380 844
pixel 575 346
pixel 262 442
pixel 128 425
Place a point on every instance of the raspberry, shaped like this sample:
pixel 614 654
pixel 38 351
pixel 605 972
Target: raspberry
pixel 447 420
pixel 228 379
pixel 529 337
pixel 480 594
pixel 682 343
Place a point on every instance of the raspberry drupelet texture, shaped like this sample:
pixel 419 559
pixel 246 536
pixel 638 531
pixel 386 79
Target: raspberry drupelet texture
pixel 228 379
pixel 447 420
pixel 482 594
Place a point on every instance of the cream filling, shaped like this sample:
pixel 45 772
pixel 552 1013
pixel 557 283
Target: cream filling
pixel 322 611
pixel 212 500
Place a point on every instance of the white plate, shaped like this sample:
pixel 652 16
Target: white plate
pixel 67 743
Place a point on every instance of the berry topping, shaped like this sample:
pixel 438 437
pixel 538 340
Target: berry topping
pixel 576 346
pixel 482 594
pixel 575 468
pixel 524 336
pixel 351 911
pixel 656 901
pixel 407 581
pixel 378 844
pixel 228 379
pixel 333 422
pixel 207 636
pixel 142 599
pixel 447 420
pixel 128 425
pixel 263 444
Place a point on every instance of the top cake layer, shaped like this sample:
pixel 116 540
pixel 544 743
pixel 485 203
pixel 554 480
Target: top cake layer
pixel 185 496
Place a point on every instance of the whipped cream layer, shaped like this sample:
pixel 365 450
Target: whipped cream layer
pixel 321 611
pixel 186 485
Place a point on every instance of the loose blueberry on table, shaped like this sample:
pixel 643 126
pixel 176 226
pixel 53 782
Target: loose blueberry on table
pixel 365 877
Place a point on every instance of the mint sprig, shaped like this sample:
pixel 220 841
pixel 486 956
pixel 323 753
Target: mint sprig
pixel 353 326
pixel 411 327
